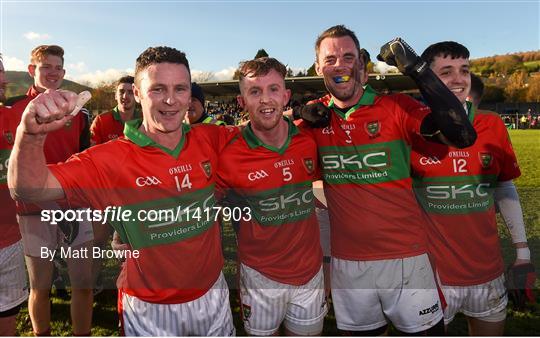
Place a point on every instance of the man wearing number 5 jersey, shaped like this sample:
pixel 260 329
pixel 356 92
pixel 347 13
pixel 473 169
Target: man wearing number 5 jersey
pixel 175 287
pixel 270 167
pixel 457 188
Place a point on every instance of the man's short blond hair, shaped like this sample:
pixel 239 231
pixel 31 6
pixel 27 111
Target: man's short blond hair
pixel 41 52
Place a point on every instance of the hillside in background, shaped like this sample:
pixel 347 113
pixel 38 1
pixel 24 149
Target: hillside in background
pixel 508 78
pixel 19 82
pixel 503 65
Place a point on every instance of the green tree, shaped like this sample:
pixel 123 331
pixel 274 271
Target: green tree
pixel 311 71
pixel 261 53
pixel 515 90
pixel 533 90
pixel 493 94
pixel 290 72
pixel 102 98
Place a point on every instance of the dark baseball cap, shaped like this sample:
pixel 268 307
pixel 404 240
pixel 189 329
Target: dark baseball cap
pixel 197 92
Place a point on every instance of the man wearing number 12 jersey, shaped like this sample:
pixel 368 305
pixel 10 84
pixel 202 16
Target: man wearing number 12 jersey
pixel 270 167
pixel 457 188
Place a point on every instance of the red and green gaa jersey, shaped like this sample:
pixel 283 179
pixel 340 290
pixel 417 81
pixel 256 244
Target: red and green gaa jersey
pixel 282 239
pixel 180 251
pixel 108 126
pixel 8 221
pixel 365 160
pixel 455 188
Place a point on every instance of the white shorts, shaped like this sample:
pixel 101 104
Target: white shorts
pixel 37 234
pixel 13 283
pixel 485 301
pixel 267 303
pixel 366 293
pixel 209 315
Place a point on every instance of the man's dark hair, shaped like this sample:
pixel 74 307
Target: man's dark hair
pixel 445 49
pixel 477 89
pixel 260 66
pixel 366 58
pixel 337 31
pixel 125 79
pixel 155 55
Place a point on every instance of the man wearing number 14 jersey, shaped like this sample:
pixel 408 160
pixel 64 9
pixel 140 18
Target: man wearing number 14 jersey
pixel 457 188
pixel 271 166
pixel 175 286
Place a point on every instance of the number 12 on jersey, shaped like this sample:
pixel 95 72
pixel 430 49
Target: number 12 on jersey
pixel 459 165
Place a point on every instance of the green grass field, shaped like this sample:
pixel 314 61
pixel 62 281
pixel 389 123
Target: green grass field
pixel 527 147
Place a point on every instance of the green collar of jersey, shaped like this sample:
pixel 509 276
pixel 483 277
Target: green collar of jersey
pixel 132 132
pixel 117 117
pixel 367 99
pixel 471 112
pixel 253 141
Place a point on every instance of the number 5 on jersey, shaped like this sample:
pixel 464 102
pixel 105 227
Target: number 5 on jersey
pixel 287 175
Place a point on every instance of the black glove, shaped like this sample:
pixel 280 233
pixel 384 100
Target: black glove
pixel 520 284
pixel 69 229
pixel 398 53
pixel 232 200
pixel 317 115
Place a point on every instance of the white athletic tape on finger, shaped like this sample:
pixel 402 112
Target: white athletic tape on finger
pixel 81 101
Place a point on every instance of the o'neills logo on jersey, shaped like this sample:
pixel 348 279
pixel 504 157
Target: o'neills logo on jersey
pixel 308 165
pixel 8 136
pixel 459 153
pixel 373 128
pixel 257 175
pixel 207 168
pixel 486 159
pixel 146 181
pixel 112 136
pixel 429 160
pixel 346 126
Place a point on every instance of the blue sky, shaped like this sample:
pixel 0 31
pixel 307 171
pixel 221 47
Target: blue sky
pixel 103 38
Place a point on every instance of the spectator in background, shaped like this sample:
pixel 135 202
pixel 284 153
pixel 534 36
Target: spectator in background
pixel 13 283
pixel 47 70
pixel 197 113
pixel 110 125
pixel 476 92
